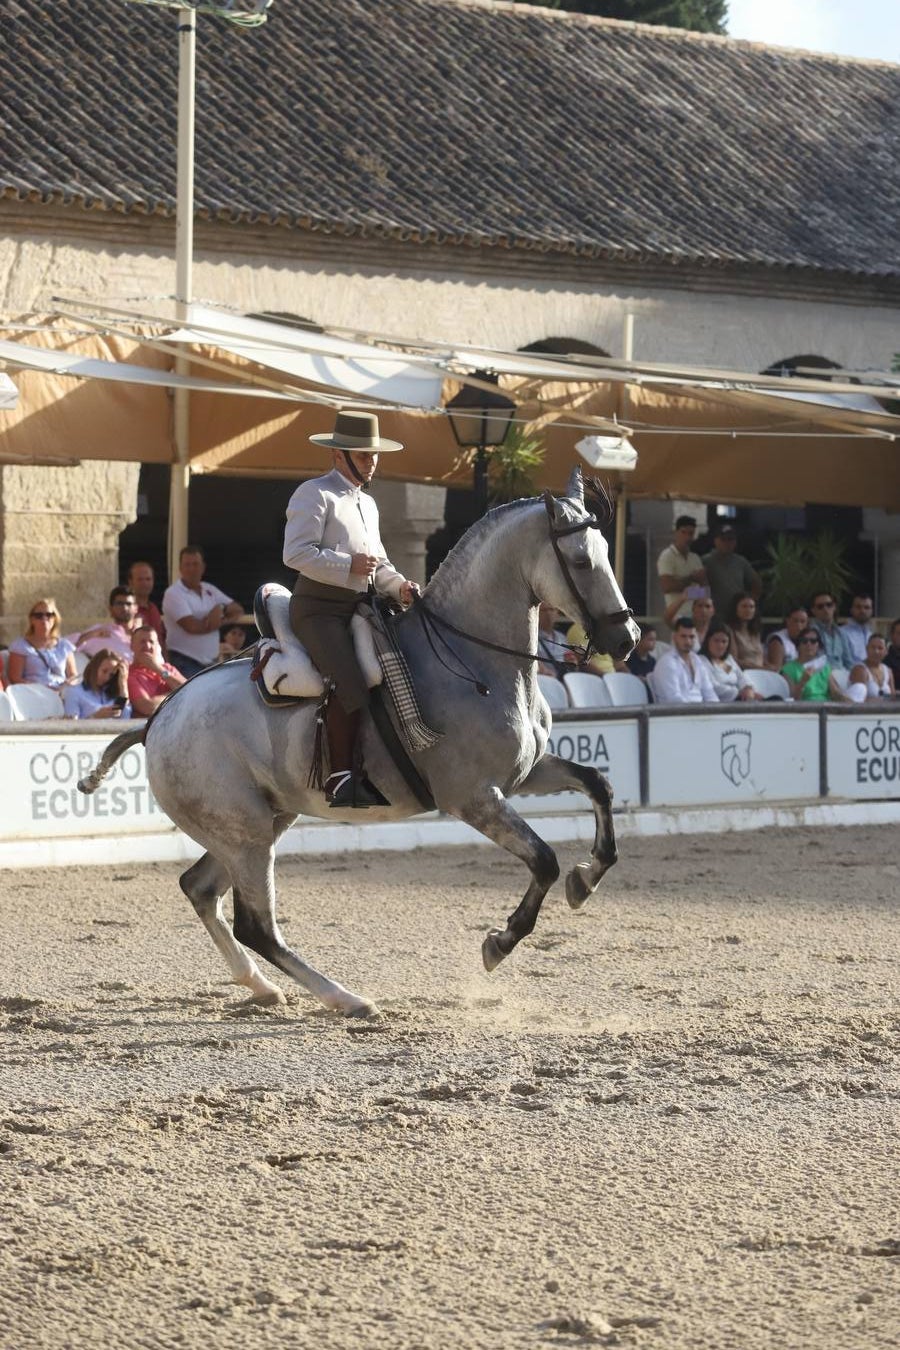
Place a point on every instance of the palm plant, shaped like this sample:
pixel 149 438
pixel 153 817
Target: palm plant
pixel 512 466
pixel 797 568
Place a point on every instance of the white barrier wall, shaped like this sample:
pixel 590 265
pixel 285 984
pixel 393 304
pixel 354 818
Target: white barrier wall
pixel 864 756
pixel 662 758
pixel 719 761
pixel 40 799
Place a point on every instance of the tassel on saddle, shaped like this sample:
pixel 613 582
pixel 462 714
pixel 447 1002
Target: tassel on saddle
pixel 316 777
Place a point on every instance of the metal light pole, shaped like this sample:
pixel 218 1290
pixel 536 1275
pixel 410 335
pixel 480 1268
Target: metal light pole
pixel 480 419
pixel 245 14
pixel 180 474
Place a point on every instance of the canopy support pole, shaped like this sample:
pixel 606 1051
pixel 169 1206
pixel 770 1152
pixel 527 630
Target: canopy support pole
pixel 180 475
pixel 621 494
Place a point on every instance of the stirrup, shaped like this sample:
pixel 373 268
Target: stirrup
pixel 352 790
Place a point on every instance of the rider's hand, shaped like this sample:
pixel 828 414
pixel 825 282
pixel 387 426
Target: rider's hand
pixel 409 591
pixel 363 565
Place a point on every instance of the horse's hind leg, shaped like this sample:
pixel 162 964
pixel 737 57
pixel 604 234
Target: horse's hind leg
pixel 205 884
pixel 493 817
pixel 255 925
pixel 552 774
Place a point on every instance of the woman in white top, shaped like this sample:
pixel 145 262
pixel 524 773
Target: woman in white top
pixel 782 646
pixel 42 656
pixel 877 678
pixel 729 681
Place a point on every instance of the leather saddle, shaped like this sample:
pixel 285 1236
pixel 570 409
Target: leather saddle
pixel 286 672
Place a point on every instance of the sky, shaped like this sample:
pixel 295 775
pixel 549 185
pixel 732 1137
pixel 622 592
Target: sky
pixel 851 27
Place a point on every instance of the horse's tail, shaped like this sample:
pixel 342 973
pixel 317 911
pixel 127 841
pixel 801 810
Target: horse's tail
pixel 112 752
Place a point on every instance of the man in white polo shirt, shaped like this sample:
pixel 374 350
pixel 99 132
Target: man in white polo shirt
pixel 193 611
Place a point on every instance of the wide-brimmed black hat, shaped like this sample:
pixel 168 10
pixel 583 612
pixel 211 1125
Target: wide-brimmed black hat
pixel 356 431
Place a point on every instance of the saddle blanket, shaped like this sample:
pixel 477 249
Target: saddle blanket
pixel 288 671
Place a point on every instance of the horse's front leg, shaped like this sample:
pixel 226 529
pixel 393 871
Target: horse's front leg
pixel 492 815
pixel 552 774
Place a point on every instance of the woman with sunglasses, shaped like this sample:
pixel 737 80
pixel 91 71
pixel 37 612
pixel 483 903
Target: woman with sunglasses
pixel 810 675
pixel 42 656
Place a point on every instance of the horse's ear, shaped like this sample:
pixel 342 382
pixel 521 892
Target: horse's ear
pixel 575 485
pixel 552 506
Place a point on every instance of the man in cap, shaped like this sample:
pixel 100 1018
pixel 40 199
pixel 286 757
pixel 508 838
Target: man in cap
pixel 728 573
pixel 332 540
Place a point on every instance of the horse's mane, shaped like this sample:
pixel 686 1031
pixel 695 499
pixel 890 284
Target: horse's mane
pixel 475 535
pixel 597 501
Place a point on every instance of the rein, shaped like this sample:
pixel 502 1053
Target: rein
pixel 432 622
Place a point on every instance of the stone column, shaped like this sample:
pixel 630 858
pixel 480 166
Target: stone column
pixel 59 537
pixel 409 513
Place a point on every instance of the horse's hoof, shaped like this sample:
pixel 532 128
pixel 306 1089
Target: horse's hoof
pixel 491 951
pixel 268 998
pixel 362 1008
pixel 577 887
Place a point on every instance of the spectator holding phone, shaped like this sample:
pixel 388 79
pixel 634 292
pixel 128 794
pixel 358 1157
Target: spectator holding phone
pixel 103 691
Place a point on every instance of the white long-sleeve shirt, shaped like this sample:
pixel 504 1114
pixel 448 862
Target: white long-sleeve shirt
pixel 328 520
pixel 680 680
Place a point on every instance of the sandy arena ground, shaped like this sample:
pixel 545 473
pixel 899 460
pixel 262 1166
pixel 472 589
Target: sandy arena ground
pixel 668 1121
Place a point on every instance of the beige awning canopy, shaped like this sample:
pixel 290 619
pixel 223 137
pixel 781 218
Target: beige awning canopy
pixel 256 397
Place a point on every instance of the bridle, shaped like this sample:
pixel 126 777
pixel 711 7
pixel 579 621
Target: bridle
pixel 432 622
pixel 558 532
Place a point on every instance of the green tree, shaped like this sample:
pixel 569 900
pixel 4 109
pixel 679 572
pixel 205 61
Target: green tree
pixel 703 16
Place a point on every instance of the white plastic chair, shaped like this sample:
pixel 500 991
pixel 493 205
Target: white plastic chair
pixel 33 701
pixel 841 677
pixel 553 690
pixel 81 660
pixel 769 684
pixel 7 711
pixel 625 690
pixel 586 691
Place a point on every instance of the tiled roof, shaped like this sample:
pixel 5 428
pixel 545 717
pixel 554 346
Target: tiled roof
pixel 464 123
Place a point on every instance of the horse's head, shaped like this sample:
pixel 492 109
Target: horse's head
pixel 578 574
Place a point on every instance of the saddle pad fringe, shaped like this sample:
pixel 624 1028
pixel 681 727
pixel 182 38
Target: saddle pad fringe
pixel 398 680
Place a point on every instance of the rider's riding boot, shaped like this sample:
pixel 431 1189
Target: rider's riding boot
pixel 346 785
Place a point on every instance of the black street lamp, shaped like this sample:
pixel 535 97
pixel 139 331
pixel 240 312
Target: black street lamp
pixel 480 418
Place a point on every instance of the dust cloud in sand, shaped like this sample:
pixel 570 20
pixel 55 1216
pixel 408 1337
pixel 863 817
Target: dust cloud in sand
pixel 667 1121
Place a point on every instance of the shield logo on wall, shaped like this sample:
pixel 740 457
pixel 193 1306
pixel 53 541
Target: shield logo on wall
pixel 735 755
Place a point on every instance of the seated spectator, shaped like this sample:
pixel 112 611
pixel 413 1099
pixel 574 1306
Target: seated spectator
pixel 810 676
pixel 42 656
pixel 194 611
pixel 874 674
pixel 680 675
pixel 781 646
pixel 141 580
pixel 744 628
pixel 892 658
pixel 835 646
pixel 103 690
pixel 555 656
pixel 596 664
pixel 859 627
pixel 114 633
pixel 150 678
pixel 642 661
pixel 231 640
pixel 728 680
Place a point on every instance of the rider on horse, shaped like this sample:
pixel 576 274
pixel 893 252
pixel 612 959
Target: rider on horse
pixel 332 540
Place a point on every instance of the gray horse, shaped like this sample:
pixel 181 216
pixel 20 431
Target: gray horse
pixel 231 771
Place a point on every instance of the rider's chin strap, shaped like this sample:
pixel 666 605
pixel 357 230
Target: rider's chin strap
pixel 348 459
